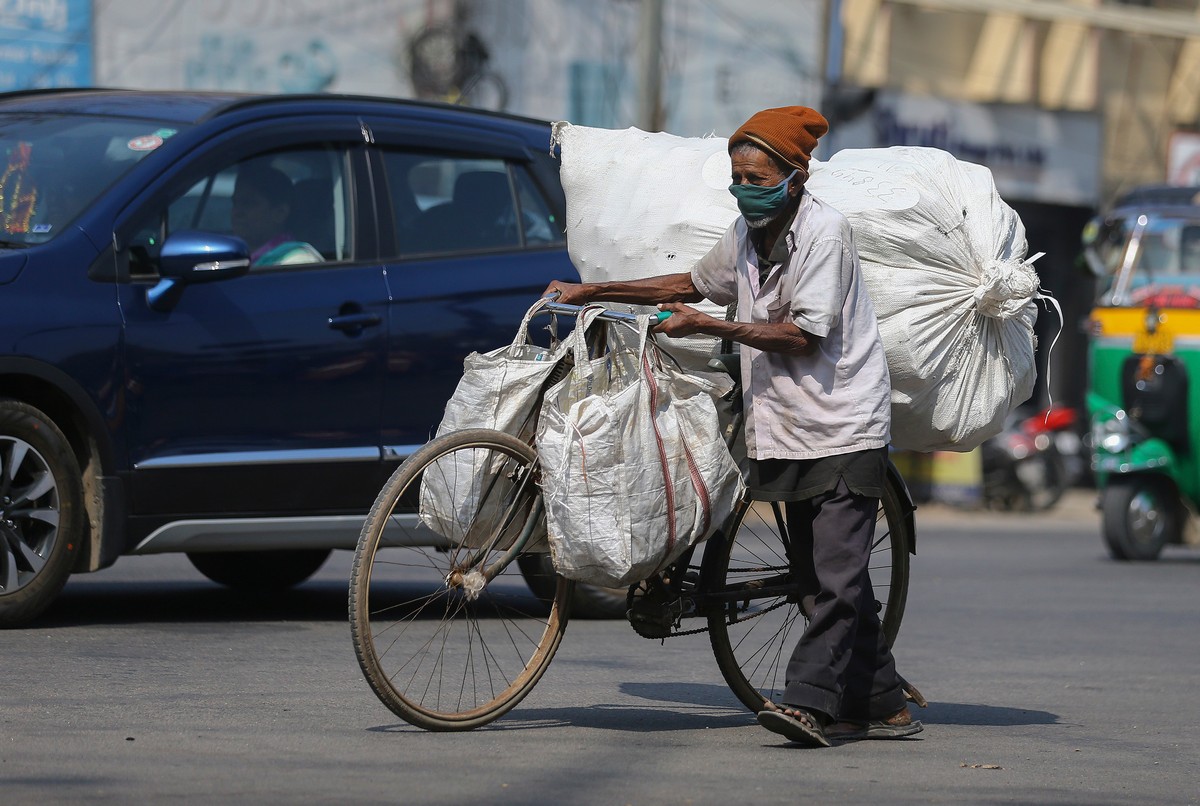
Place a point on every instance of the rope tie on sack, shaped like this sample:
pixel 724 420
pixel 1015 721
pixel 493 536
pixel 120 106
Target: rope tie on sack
pixel 1006 287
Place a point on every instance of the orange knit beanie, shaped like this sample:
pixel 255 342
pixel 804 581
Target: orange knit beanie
pixel 787 132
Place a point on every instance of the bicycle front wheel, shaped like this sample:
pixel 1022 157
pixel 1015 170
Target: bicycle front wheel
pixel 446 632
pixel 761 620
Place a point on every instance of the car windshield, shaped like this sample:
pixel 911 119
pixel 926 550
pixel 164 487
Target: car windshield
pixel 54 166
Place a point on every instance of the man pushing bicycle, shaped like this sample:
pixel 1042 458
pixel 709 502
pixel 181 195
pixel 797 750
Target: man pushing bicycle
pixel 817 403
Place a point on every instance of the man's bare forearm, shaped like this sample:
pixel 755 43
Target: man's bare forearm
pixel 778 337
pixel 671 292
pixel 648 291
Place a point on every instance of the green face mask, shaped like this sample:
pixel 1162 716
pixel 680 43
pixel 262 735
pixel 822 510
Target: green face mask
pixel 762 201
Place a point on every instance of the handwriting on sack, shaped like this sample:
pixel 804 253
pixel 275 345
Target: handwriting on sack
pixel 854 189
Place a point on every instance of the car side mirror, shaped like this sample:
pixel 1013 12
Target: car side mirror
pixel 189 257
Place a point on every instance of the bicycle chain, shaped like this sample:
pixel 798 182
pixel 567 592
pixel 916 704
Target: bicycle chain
pixel 699 630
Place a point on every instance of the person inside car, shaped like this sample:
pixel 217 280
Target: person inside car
pixel 262 203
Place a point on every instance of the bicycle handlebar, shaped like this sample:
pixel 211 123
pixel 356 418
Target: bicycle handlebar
pixel 615 316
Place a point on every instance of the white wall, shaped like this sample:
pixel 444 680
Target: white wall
pixel 723 59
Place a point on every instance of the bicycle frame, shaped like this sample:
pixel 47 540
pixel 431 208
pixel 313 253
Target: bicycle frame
pixel 463 651
pixel 689 596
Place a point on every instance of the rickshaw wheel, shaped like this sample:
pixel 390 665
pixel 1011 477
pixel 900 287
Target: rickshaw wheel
pixel 1141 515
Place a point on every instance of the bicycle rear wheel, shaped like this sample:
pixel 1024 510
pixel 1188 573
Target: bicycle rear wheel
pixel 753 637
pixel 446 631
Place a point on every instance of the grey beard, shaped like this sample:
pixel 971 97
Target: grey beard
pixel 759 223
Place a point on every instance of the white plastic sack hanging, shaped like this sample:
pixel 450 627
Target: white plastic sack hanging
pixel 943 257
pixel 634 470
pixel 499 390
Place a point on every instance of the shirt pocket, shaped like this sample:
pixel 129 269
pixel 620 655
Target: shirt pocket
pixel 779 308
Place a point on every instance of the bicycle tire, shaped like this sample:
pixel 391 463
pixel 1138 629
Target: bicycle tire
pixel 752 639
pixel 437 655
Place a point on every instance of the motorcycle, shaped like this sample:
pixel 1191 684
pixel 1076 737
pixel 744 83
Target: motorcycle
pixel 1030 464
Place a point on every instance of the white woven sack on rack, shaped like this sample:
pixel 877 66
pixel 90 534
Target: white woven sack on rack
pixel 633 467
pixel 643 204
pixel 499 390
pixel 943 257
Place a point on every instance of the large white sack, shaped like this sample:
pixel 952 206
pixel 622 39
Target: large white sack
pixel 942 258
pixel 643 204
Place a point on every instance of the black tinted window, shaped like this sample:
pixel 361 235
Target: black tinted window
pixel 443 204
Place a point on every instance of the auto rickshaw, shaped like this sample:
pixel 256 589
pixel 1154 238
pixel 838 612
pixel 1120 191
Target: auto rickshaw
pixel 1144 356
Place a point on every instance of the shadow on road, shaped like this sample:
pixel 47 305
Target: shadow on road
pixel 710 706
pixel 629 719
pixel 958 713
pixel 84 604
pixel 715 712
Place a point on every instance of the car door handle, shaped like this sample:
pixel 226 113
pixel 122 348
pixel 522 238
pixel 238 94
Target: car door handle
pixel 354 322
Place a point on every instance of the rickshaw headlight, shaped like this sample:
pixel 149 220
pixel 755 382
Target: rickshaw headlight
pixel 1113 435
pixel 1116 443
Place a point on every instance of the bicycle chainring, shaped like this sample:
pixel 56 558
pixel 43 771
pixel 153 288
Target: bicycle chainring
pixel 655 610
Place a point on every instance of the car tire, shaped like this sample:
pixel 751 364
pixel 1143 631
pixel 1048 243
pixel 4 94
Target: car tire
pixel 259 570
pixel 587 601
pixel 42 520
pixel 1141 514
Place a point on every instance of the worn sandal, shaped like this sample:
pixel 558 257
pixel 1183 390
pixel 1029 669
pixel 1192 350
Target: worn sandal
pixel 804 729
pixel 895 726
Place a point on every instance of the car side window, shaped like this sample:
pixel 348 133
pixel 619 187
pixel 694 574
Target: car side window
pixel 538 221
pixel 290 206
pixel 447 204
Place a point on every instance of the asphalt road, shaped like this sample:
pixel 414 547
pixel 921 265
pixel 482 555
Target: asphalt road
pixel 1055 676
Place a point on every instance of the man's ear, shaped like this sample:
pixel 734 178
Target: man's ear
pixel 797 182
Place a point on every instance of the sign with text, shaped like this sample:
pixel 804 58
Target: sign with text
pixel 45 44
pixel 1033 154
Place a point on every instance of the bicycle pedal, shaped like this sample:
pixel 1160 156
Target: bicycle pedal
pixel 654 617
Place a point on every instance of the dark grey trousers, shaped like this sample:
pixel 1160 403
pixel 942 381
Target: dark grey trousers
pixel 842 666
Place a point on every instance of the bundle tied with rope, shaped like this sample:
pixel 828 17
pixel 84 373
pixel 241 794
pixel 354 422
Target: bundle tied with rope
pixel 944 259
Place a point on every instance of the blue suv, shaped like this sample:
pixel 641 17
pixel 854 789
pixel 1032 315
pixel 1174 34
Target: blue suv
pixel 167 387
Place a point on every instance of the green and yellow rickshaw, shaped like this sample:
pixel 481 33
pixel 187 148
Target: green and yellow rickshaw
pixel 1144 354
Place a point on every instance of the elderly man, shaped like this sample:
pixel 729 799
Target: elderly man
pixel 817 402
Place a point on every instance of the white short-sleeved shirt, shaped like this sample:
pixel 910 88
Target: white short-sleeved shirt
pixel 835 400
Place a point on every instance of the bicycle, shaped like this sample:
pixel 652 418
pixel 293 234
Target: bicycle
pixel 449 638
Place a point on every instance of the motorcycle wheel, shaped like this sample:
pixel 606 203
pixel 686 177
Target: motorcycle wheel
pixel 1141 514
pixel 1043 480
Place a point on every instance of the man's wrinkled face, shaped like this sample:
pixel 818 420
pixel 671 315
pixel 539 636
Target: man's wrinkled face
pixel 753 166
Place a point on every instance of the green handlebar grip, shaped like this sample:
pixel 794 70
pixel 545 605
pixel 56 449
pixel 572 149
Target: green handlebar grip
pixel 663 315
